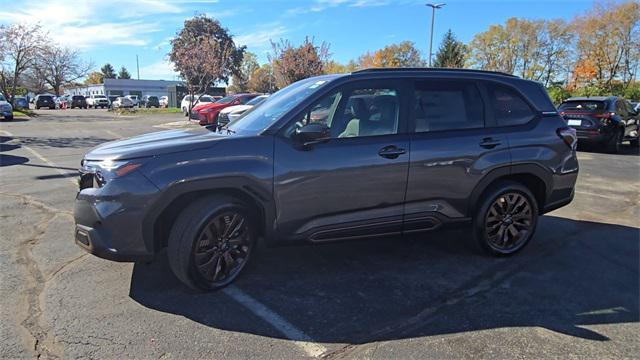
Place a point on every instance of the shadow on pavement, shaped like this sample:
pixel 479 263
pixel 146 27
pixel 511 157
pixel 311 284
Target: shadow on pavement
pixel 625 149
pixel 60 142
pixel 574 273
pixel 9 160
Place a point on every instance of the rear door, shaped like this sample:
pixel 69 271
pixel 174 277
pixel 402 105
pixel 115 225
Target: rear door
pixel 451 150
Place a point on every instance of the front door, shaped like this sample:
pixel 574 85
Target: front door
pixel 353 185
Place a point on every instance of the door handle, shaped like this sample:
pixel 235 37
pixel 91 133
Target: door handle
pixel 391 152
pixel 490 143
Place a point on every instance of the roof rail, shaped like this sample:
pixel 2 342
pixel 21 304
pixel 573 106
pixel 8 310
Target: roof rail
pixel 370 70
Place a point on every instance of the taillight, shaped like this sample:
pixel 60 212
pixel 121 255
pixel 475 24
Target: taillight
pixel 606 115
pixel 568 135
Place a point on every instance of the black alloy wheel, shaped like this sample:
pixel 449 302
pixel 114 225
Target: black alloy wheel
pixel 222 248
pixel 508 222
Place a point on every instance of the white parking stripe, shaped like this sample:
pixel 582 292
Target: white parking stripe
pixel 302 340
pixel 71 177
pixel 113 133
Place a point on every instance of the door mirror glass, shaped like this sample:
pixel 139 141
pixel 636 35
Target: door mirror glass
pixel 312 133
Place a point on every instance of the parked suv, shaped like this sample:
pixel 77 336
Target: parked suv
pixel 149 101
pixel 77 101
pixel 45 101
pixel 382 152
pixel 95 101
pixel 604 121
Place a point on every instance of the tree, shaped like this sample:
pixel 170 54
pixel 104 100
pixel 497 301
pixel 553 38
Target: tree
pixel 124 73
pixel 60 66
pixel 240 82
pixel 262 80
pixel 452 53
pixel 291 63
pixel 107 71
pixel 95 77
pixel 203 53
pixel 399 55
pixel 334 67
pixel 19 46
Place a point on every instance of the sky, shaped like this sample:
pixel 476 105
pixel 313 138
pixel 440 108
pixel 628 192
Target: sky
pixel 115 31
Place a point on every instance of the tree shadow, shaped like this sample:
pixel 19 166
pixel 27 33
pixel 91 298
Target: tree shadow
pixel 10 160
pixel 60 142
pixel 573 274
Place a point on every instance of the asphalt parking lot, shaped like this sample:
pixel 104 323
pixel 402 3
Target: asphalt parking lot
pixel 574 291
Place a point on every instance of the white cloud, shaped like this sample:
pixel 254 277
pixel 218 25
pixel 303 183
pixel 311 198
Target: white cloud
pixel 259 38
pixel 321 5
pixel 162 69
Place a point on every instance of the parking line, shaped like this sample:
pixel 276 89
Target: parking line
pixel 71 178
pixel 113 133
pixel 302 340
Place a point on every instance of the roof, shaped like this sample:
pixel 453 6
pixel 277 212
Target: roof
pixel 591 98
pixel 431 70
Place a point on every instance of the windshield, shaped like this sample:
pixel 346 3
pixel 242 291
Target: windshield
pixel 257 100
pixel 276 105
pixel 590 106
pixel 99 96
pixel 2 98
pixel 205 98
pixel 225 100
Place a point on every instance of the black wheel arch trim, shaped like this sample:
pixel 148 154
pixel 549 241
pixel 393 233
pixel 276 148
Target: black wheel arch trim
pixel 248 187
pixel 509 170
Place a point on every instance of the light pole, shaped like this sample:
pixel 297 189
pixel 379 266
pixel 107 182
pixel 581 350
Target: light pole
pixel 433 16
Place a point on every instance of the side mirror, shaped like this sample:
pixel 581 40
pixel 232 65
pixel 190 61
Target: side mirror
pixel 313 133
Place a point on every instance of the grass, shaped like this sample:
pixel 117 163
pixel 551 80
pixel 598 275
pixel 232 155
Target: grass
pixel 147 111
pixel 23 112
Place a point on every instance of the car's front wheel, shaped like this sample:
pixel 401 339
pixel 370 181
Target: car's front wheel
pixel 211 242
pixel 506 219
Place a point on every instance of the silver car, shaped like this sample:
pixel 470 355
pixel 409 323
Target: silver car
pixel 122 102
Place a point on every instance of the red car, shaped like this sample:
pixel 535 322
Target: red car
pixel 207 114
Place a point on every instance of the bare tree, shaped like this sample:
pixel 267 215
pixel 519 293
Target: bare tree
pixel 20 46
pixel 204 53
pixel 60 66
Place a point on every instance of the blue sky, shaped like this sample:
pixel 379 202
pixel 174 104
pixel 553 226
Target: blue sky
pixel 115 31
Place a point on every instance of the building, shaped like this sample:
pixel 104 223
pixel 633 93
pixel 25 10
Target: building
pixel 121 87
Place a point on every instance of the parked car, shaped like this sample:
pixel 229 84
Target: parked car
pixel 135 99
pixel 196 100
pixel 402 151
pixel 207 114
pixel 112 98
pixel 603 121
pixel 6 110
pixel 232 113
pixel 61 102
pixel 43 101
pixel 97 101
pixel 21 103
pixel 164 101
pixel 77 101
pixel 149 101
pixel 122 102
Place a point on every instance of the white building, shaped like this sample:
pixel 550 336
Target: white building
pixel 121 87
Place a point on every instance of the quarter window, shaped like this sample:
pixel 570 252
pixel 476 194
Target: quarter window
pixel 508 107
pixel 447 105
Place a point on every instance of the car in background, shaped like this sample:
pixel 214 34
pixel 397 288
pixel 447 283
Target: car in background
pixel 77 101
pixel 62 102
pixel 20 103
pixel 605 121
pixel 96 100
pixel 135 99
pixel 232 113
pixel 112 98
pixel 207 114
pixel 45 101
pixel 6 110
pixel 164 101
pixel 122 102
pixel 149 101
pixel 636 105
pixel 195 100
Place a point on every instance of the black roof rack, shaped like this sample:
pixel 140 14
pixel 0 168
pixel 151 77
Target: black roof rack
pixel 414 69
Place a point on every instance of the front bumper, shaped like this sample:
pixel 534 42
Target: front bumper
pixel 6 114
pixel 109 220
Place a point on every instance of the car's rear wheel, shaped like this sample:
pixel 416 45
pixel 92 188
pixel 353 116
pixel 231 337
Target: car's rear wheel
pixel 211 242
pixel 506 219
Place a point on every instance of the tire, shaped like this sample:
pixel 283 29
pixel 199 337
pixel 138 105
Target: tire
pixel 189 242
pixel 9 118
pixel 488 223
pixel 612 146
pixel 185 112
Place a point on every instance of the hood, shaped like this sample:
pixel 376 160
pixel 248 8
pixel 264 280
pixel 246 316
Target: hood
pixel 158 143
pixel 209 106
pixel 235 108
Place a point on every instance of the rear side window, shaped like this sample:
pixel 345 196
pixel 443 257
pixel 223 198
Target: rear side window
pixel 447 105
pixel 509 108
pixel 586 106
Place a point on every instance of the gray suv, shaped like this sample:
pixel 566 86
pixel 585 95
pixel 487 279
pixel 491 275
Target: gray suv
pixel 379 152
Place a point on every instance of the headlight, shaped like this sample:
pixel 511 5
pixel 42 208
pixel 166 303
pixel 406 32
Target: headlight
pixel 106 170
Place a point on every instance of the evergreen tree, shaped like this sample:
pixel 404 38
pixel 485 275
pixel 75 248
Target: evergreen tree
pixel 108 72
pixel 451 53
pixel 123 73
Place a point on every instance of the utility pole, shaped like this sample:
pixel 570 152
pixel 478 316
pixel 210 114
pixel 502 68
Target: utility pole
pixel 138 65
pixel 433 16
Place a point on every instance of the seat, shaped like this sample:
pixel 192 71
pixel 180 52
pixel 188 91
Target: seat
pixel 357 109
pixel 383 118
